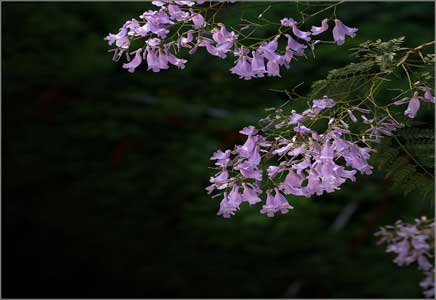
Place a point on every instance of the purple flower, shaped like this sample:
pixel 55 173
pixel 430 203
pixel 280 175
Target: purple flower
pixel 222 158
pixel 250 195
pixel 341 172
pixel 287 57
pixel 156 23
pixel 184 41
pixel 314 184
pixel 327 151
pixel 299 150
pixel 224 41
pixel 222 176
pixel 413 106
pixel 269 208
pixel 222 35
pixel 273 68
pixel 162 3
pixel 234 196
pixel 248 170
pixel 158 18
pixel 419 242
pixel 163 60
pixel 219 155
pixel 428 97
pixel 187 3
pixel 178 62
pixel 153 60
pixel 356 157
pixel 227 208
pixel 135 62
pixel 320 104
pixel 282 150
pixel 159 3
pixel 153 42
pixel 340 31
pixel 254 157
pixel 120 39
pixel 301 34
pixel 301 129
pixel 249 130
pixel 352 116
pixel 295 118
pixel 307 162
pixel 197 20
pixel 269 50
pixel 258 64
pixel 428 285
pixel 248 147
pixel 176 13
pixel 362 110
pixel 294 46
pixel 243 68
pixel 208 43
pixel 273 170
pixel 292 183
pixel 423 263
pixel 318 30
pixel 288 22
pixel 280 202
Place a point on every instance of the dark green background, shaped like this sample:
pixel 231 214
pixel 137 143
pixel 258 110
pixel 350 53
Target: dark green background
pixel 104 171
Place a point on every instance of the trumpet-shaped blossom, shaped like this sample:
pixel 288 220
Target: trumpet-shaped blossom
pixel 176 13
pixel 318 30
pixel 289 22
pixel 243 68
pixel 250 194
pixel 269 50
pixel 413 106
pixel 227 207
pixel 197 20
pixel 135 62
pixel 280 202
pixel 269 208
pixel 341 30
pixel 428 97
pixel 258 64
pixel 294 46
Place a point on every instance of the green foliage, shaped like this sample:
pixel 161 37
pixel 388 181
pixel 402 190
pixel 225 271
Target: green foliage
pixel 381 53
pixel 420 142
pixel 407 159
pixel 404 171
pixel 351 80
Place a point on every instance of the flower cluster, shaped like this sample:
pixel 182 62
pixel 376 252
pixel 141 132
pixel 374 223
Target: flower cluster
pixel 287 156
pixel 297 161
pixel 253 66
pixel 154 27
pixel 413 243
pixel 194 31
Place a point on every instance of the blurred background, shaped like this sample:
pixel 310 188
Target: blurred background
pixel 104 171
